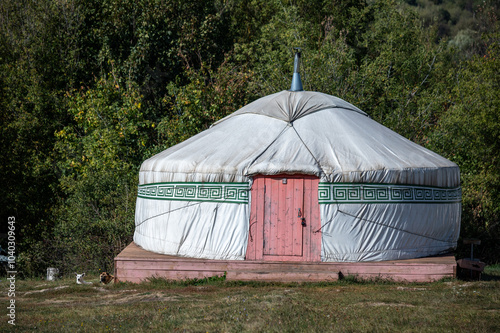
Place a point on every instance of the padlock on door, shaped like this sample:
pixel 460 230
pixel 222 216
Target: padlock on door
pixel 302 218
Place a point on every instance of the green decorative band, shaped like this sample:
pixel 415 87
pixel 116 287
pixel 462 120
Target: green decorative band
pixel 202 192
pixel 344 193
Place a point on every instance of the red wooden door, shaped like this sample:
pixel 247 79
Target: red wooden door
pixel 284 220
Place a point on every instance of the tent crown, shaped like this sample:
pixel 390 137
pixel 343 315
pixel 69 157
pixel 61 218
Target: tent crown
pixel 296 81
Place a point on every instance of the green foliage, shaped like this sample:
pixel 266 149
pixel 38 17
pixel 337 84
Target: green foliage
pixel 325 34
pixel 88 89
pixel 451 16
pixel 99 156
pixel 48 48
pixel 37 44
pixel 400 81
pixel 150 41
pixel 207 97
pixel 469 134
pixel 377 57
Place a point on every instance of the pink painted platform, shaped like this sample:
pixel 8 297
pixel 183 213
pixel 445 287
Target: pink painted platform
pixel 135 264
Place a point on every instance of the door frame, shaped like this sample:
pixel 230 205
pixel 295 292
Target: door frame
pixel 311 236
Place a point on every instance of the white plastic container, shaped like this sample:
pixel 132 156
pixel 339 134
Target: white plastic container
pixel 52 273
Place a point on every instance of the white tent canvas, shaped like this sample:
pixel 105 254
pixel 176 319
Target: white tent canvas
pixel 381 196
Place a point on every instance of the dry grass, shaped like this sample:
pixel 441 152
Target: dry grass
pixel 221 306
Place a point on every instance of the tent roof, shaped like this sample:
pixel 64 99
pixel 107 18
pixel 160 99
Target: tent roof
pixel 290 106
pixel 300 132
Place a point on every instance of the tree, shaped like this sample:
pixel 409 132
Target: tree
pixel 49 48
pixel 469 134
pixel 99 157
pixel 208 96
pixel 37 64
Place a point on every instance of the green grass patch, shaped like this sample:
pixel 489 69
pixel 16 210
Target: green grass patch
pixel 216 305
pixel 493 270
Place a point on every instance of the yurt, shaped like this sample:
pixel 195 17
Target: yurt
pixel 298 176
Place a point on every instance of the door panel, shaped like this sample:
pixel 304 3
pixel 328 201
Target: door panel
pixel 276 231
pixel 283 232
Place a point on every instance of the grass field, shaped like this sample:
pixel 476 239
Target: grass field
pixel 215 305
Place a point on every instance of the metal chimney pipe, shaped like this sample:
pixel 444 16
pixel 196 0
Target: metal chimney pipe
pixel 296 81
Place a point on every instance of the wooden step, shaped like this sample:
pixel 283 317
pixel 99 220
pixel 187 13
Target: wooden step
pixel 135 264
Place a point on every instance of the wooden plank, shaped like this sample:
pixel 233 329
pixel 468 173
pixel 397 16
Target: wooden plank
pixel 354 268
pixel 298 230
pixel 133 280
pixel 283 258
pixel 405 278
pixel 346 269
pixel 287 211
pixel 309 221
pixel 315 220
pixel 474 265
pixel 281 276
pixel 273 276
pixel 146 255
pixel 259 249
pixel 281 213
pixel 267 222
pixel 407 270
pixel 261 275
pixel 133 251
pixel 252 232
pixel 275 216
pixel 143 274
pixel 134 264
pixel 286 201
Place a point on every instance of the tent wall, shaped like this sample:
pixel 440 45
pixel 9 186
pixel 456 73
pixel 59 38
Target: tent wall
pixel 374 222
pixel 199 220
pixel 359 222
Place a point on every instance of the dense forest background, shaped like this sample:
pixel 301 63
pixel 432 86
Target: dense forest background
pixel 91 88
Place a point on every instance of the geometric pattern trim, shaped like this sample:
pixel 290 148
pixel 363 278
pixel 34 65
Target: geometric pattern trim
pixel 201 192
pixel 349 193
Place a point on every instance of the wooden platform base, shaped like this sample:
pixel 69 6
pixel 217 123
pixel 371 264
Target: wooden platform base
pixel 135 264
